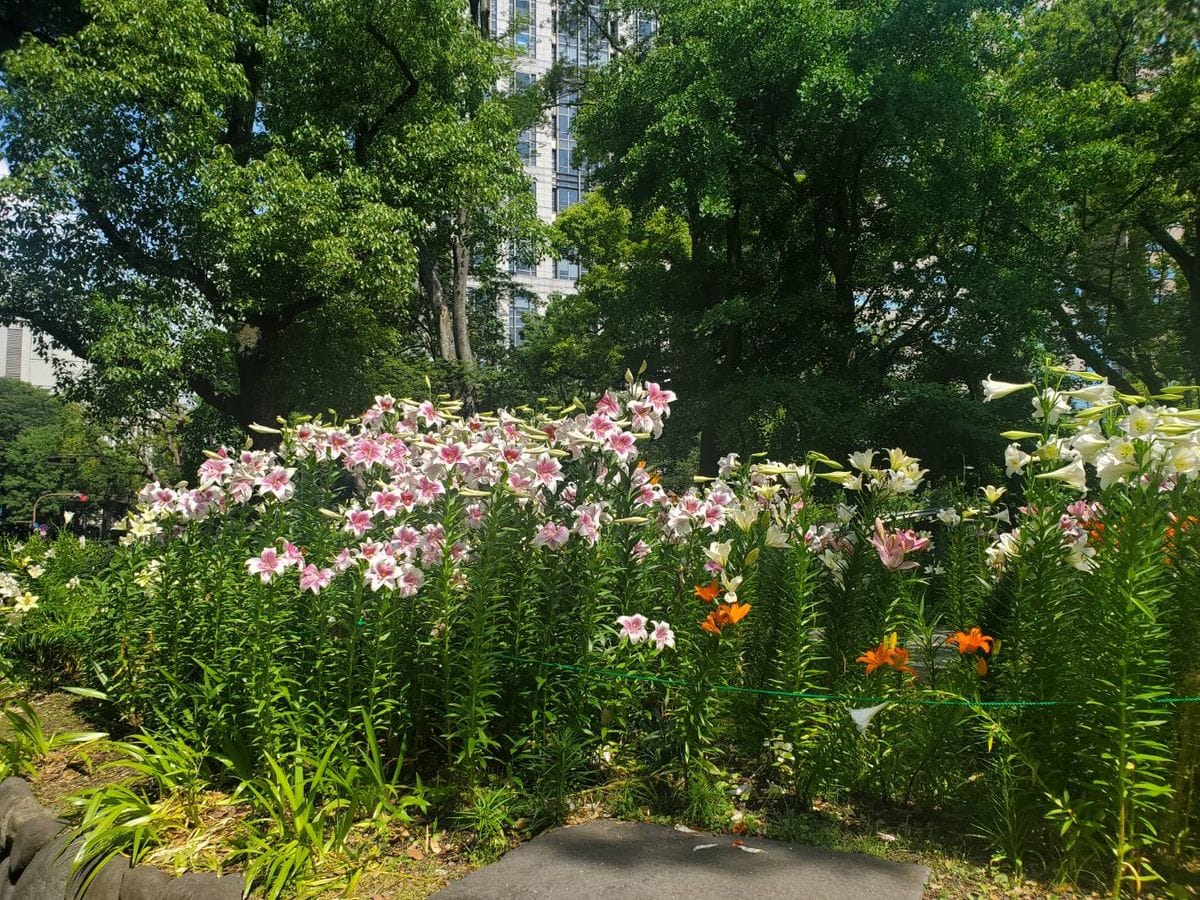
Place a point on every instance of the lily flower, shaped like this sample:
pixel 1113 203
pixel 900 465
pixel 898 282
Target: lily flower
pixel 718 554
pixel 267 564
pixel 970 641
pixel 1072 474
pixel 862 717
pixel 889 654
pixel 863 460
pixel 662 635
pixel 992 494
pixel 994 390
pixel 633 628
pixel 724 614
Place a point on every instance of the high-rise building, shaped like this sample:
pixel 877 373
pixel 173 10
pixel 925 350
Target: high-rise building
pixel 543 31
pixel 22 361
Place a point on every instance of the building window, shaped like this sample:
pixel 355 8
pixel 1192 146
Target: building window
pixel 567 270
pixel 565 198
pixel 566 156
pixel 527 146
pixel 564 132
pixel 587 45
pixel 646 28
pixel 521 14
pixel 519 307
pixel 521 267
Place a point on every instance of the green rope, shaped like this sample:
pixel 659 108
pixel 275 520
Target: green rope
pixel 819 698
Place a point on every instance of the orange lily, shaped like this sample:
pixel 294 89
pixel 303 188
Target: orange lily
pixel 899 661
pixel 887 654
pixel 875 658
pixel 708 593
pixel 970 641
pixel 737 612
pixel 724 615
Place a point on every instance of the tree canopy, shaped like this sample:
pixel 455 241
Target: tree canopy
pixel 822 223
pixel 228 198
pixel 48 446
pixel 872 206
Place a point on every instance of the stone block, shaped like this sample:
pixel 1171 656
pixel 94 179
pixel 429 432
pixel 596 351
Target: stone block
pixel 30 836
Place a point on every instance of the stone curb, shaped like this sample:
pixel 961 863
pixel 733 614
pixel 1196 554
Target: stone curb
pixel 37 852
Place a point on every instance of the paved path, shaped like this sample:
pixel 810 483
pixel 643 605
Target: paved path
pixel 635 861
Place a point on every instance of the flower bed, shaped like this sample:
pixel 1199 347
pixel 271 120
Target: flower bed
pixel 420 606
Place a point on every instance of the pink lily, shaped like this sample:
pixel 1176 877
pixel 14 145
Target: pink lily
pixel 266 565
pixel 633 628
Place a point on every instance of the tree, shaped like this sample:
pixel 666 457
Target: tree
pixel 230 199
pixel 47 446
pixel 48 19
pixel 23 406
pixel 1102 105
pixel 830 165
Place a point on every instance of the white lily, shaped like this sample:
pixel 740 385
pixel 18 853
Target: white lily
pixel 1112 468
pixel 863 460
pixel 718 552
pixel 862 717
pixel 994 390
pixel 1071 474
pixel 1015 460
pixel 1141 422
pixel 1102 393
pixel 1050 405
pixel 776 538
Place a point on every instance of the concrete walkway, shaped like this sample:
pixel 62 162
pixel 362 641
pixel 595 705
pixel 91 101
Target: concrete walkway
pixel 635 861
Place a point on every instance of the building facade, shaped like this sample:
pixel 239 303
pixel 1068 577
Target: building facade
pixel 22 361
pixel 543 31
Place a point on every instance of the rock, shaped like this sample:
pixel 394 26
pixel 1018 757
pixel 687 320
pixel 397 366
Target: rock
pixel 30 836
pixel 13 788
pixel 204 886
pixel 18 809
pixel 144 883
pixel 6 884
pixel 45 878
pixel 105 885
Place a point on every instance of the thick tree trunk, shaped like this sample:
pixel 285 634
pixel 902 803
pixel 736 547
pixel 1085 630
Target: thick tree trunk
pixel 730 368
pixel 431 284
pixel 461 257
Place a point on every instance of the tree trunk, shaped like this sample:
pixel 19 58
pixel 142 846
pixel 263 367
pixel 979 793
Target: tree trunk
pixel 432 286
pixel 461 257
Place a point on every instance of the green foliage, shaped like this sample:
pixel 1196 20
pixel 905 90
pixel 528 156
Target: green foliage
pixel 504 684
pixel 28 743
pixel 826 194
pixel 1097 108
pixel 487 815
pixel 225 202
pixel 48 446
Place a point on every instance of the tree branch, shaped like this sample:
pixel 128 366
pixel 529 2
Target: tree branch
pixel 147 263
pixel 610 32
pixel 368 133
pixel 1085 351
pixel 1167 241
